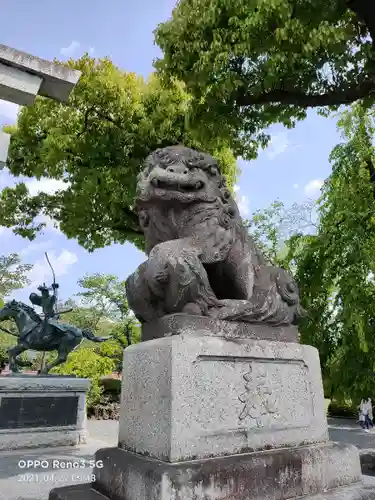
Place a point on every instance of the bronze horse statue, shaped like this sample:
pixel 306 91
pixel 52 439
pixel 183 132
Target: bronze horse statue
pixel 32 335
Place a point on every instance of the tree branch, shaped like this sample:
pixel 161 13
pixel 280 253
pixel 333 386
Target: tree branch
pixel 86 121
pixel 296 98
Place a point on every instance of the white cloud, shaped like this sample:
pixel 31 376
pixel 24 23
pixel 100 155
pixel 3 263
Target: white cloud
pixel 70 49
pixel 41 271
pixel 279 144
pixel 241 200
pixel 243 205
pixel 91 51
pixel 9 110
pixel 45 185
pixel 312 188
pixel 36 247
pixel 295 186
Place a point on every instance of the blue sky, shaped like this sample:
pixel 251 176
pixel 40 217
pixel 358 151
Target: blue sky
pixel 291 169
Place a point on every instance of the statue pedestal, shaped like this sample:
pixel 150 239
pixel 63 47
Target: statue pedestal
pixel 37 411
pixel 207 417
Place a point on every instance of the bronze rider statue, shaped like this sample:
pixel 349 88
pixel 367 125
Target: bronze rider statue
pixel 48 303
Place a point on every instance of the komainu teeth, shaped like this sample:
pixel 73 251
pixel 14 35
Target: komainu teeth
pixel 180 187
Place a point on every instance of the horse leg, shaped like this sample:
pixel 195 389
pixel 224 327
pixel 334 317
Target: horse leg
pixel 13 352
pixel 62 354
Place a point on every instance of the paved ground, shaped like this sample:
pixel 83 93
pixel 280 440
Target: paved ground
pixel 105 430
pixel 17 483
pixel 350 432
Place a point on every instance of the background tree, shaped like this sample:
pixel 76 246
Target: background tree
pixel 96 145
pixel 288 237
pixel 333 262
pixel 83 316
pixel 259 62
pixel 86 363
pixel 13 276
pixel 337 270
pixel 106 296
pixel 280 233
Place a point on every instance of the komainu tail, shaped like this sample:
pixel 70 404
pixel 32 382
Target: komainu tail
pixel 90 336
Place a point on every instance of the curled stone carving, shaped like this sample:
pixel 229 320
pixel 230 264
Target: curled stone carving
pixel 201 259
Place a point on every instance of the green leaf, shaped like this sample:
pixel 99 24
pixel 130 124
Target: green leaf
pixel 13 275
pixel 94 147
pixel 260 62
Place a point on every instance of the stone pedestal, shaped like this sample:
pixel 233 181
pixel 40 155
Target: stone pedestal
pixel 38 411
pixel 188 397
pixel 219 417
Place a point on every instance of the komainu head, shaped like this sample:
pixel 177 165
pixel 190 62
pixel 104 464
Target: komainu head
pixel 181 175
pixel 178 189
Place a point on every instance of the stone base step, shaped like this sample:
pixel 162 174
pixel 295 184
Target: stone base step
pixel 364 490
pixel 76 492
pixel 280 474
pixel 359 491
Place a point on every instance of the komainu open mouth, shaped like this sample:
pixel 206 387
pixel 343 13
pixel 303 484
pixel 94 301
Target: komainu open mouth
pixel 172 185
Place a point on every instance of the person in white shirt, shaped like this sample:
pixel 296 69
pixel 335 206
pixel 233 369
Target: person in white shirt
pixel 369 412
pixel 363 415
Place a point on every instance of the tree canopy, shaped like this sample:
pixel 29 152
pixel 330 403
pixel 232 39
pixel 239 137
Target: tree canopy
pixel 86 363
pixel 265 61
pixel 333 261
pixel 280 232
pixel 95 146
pixel 104 309
pixel 338 267
pixel 13 274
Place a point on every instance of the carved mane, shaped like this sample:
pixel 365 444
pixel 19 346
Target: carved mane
pixel 21 305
